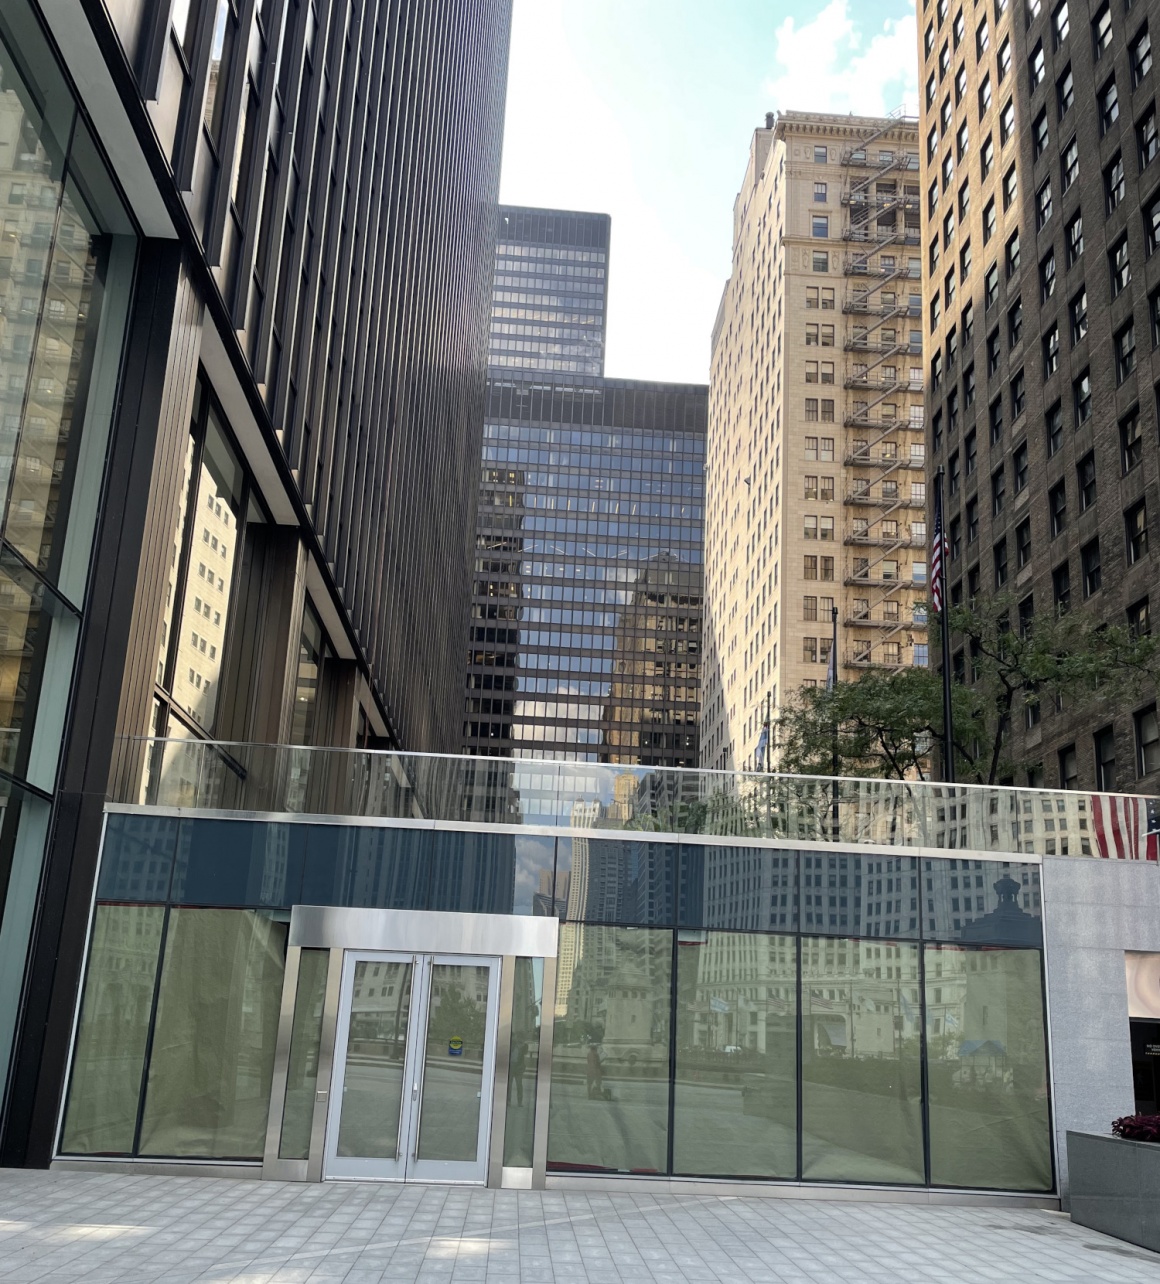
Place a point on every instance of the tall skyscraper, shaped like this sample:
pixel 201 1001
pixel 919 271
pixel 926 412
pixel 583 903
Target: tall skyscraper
pixel 245 264
pixel 585 630
pixel 815 489
pixel 1042 195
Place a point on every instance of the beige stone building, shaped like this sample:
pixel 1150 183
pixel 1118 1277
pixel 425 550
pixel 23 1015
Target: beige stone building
pixel 815 491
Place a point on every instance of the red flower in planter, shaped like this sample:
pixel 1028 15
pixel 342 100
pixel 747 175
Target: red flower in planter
pixel 1137 1127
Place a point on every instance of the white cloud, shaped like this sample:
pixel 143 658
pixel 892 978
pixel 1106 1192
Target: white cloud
pixel 828 64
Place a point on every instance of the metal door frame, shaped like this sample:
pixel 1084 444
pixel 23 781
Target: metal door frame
pixel 402 932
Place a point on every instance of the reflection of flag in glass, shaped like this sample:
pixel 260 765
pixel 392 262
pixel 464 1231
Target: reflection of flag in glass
pixel 936 555
pixel 762 745
pixel 1126 827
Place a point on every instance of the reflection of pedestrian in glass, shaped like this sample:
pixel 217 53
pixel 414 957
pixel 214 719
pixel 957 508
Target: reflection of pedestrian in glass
pixel 516 1073
pixel 595 1072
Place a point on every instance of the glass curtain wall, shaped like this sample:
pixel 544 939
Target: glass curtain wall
pixel 67 255
pixel 697 1030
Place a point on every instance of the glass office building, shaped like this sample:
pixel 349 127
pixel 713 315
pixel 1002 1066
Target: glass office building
pixel 605 971
pixel 585 633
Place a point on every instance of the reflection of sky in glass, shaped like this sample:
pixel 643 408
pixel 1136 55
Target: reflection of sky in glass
pixel 219 29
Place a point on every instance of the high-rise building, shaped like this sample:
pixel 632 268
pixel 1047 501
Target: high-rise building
pixel 245 264
pixel 1042 208
pixel 585 630
pixel 815 484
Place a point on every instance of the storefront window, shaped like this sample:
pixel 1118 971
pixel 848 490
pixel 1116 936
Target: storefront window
pixel 610 1055
pixel 523 1062
pixel 208 1091
pixel 305 1041
pixel 114 1030
pixel 735 1107
pixel 861 1061
pixel 989 1123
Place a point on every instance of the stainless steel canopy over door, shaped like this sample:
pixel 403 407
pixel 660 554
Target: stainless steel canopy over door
pixel 414 1067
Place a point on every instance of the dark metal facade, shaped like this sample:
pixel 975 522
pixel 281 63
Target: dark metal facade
pixel 1041 199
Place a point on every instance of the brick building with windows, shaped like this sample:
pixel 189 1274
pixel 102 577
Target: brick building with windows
pixel 1042 315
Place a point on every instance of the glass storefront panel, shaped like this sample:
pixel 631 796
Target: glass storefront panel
pixel 523 1063
pixel 989 1114
pixel 371 868
pixel 997 902
pixel 618 881
pixel 493 873
pixel 305 1041
pixel 610 1057
pixel 238 862
pixel 735 1107
pixel 208 1090
pixel 137 857
pixel 752 889
pixel 861 1061
pixel 113 1031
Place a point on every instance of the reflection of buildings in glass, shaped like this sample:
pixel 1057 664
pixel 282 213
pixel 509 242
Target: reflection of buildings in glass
pixel 728 1012
pixel 653 701
pixel 859 998
pixel 743 888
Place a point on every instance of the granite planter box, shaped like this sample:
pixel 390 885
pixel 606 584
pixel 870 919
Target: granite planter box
pixel 1115 1186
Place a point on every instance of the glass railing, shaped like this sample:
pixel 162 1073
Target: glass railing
pixel 282 779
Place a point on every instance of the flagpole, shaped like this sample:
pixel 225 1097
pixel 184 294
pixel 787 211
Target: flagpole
pixel 944 620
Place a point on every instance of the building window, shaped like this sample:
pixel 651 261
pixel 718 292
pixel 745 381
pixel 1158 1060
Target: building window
pixel 1018 394
pixel 1054 423
pixel 827 372
pixel 1131 442
pixel 1136 532
pixel 1078 313
pixel 1043 205
pixel 1152 225
pixel 982 38
pixel 1065 92
pixel 811 372
pixel 1069 165
pixel 994 353
pixel 1114 183
pixel 1012 255
pixel 1147 142
pixel 820 226
pixel 1023 543
pixel 1125 342
pixel 1102 30
pixel 1074 240
pixel 1057 508
pixel 1090 559
pixel 1037 66
pixel 999 554
pixel 809 608
pixel 1105 749
pixel 1068 768
pixel 1061 588
pixel 1021 466
pixel 968 385
pixel 998 490
pixel 984 96
pixel 1015 323
pixel 1108 103
pixel 1086 476
pixel 810 568
pixel 995 419
pixel 1051 352
pixel 1141 55
pixel 972 520
pixel 1119 266
pixel 827 410
pixel 820 155
pixel 821 261
pixel 1139 620
pixel 810 650
pixel 987 155
pixel 1147 741
pixel 811 409
pixel 1082 398
pixel 1007 121
pixel 962 140
pixel 1047 277
pixel 820 190
pixel 1060 24
pixel 1040 137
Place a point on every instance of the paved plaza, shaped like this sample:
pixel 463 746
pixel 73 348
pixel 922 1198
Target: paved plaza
pixel 92 1228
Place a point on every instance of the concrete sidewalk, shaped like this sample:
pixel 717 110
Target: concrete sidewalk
pixel 97 1228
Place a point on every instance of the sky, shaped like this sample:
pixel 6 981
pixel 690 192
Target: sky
pixel 644 110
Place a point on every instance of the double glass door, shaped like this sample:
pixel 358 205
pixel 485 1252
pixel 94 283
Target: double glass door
pixel 414 1066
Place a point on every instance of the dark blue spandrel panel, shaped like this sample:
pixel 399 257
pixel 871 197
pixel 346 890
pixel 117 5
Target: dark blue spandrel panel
pixel 988 902
pixel 137 857
pixel 618 881
pixel 869 894
pixel 747 889
pixel 492 873
pixel 367 867
pixel 238 862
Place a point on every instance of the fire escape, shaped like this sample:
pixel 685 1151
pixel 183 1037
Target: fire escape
pixel 884 345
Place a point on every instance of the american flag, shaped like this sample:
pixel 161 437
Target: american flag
pixel 1126 827
pixel 936 555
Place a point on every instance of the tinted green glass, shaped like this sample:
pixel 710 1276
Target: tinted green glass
pixel 208 1092
pixel 110 1051
pixel 453 1059
pixel 861 1061
pixel 610 1056
pixel 523 1063
pixel 735 1111
pixel 989 1123
pixel 302 1072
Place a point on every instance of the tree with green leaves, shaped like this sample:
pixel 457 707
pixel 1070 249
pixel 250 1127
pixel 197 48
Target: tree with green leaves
pixel 885 724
